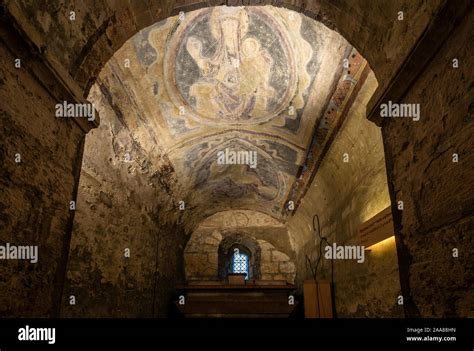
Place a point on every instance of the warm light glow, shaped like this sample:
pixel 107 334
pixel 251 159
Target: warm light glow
pixel 376 206
pixel 383 245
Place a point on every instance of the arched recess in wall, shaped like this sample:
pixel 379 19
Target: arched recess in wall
pixel 246 245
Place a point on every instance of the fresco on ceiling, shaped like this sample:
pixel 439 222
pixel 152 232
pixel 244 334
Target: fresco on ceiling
pixel 239 66
pixel 266 182
pixel 231 65
pixel 238 219
pixel 237 77
pixel 270 181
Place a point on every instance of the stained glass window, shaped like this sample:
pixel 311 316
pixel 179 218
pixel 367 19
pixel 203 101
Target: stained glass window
pixel 240 264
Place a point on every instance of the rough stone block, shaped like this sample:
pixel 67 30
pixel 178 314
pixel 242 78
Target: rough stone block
pixel 286 267
pixel 278 256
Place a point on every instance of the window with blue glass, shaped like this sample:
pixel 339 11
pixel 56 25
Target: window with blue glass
pixel 240 263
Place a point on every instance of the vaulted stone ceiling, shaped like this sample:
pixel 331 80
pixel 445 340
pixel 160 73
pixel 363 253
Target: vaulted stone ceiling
pixel 240 78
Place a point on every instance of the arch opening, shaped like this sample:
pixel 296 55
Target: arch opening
pixel 187 104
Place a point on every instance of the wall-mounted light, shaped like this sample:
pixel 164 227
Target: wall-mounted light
pixel 382 246
pixel 377 229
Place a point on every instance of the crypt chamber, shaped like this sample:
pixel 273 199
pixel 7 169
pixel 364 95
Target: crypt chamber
pixel 237 164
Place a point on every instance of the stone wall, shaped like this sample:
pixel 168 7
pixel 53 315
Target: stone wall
pixel 276 265
pixel 344 195
pixel 124 203
pixel 437 193
pixel 201 256
pixel 201 259
pixel 276 254
pixel 36 190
